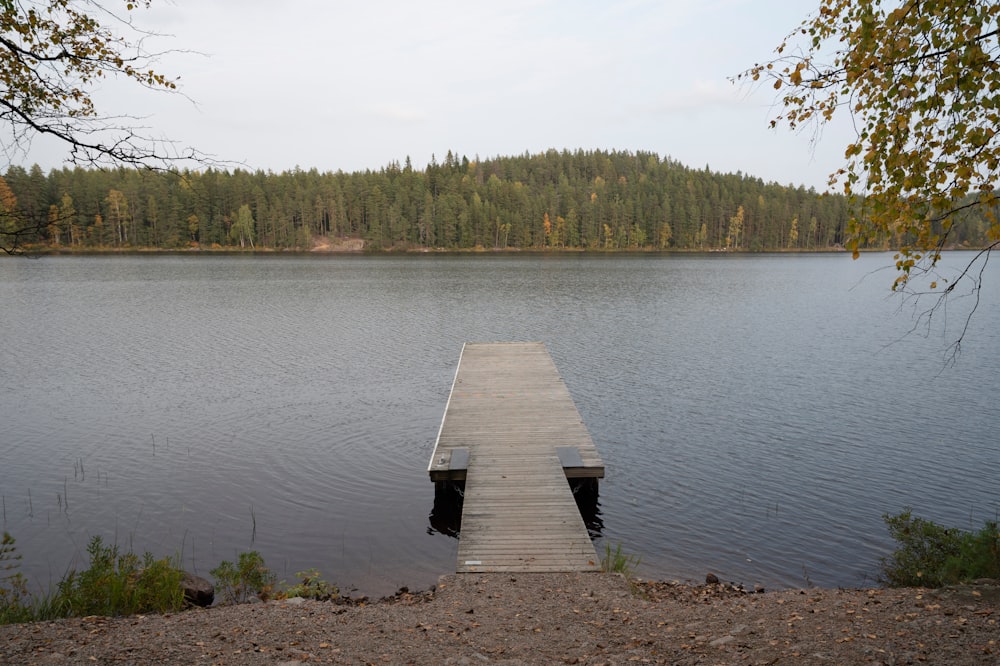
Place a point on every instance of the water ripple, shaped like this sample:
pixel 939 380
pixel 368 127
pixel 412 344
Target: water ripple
pixel 756 415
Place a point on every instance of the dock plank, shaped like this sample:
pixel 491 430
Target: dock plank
pixel 511 412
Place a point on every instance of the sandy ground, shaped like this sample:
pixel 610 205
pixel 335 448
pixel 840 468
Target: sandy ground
pixel 324 244
pixel 545 619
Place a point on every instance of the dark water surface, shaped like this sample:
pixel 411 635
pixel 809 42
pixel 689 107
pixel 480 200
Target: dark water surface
pixel 757 414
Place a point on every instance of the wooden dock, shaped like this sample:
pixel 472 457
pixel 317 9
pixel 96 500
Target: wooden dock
pixel 512 433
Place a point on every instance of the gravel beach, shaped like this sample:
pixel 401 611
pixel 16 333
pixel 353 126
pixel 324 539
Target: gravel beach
pixel 545 619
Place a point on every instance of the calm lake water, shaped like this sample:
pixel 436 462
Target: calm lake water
pixel 757 414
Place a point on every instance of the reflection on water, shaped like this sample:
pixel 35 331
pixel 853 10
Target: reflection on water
pixel 587 495
pixel 446 514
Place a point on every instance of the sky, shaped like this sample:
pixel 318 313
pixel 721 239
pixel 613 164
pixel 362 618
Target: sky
pixel 350 86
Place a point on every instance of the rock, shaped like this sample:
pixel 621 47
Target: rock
pixel 197 590
pixel 711 579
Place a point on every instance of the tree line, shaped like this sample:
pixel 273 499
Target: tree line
pixel 576 200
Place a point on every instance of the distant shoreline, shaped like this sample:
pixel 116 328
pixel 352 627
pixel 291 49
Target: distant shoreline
pixel 409 251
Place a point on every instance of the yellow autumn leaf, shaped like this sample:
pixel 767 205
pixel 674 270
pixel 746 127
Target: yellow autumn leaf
pixel 923 89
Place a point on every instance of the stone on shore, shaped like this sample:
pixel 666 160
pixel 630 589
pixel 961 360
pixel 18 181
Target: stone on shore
pixel 197 590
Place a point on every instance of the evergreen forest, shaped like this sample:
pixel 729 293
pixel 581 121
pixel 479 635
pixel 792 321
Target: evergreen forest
pixel 593 200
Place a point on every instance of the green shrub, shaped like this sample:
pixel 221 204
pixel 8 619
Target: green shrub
pixel 123 583
pixel 15 601
pixel 120 584
pixel 17 604
pixel 114 584
pixel 615 561
pixel 930 555
pixel 312 587
pixel 248 577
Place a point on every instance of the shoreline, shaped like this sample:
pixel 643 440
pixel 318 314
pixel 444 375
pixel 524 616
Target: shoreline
pixel 358 247
pixel 32 251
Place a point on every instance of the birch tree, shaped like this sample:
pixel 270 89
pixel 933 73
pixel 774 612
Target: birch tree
pixel 53 55
pixel 920 81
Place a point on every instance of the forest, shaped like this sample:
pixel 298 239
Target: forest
pixel 590 200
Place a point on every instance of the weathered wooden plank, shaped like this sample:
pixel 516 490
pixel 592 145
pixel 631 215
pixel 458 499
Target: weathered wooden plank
pixel 508 392
pixel 459 459
pixel 510 410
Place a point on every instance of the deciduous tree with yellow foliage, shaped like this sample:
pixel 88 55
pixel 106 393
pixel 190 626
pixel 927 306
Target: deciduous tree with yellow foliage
pixel 920 80
pixel 53 54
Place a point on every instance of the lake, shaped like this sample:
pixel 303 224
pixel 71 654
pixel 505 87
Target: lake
pixel 757 414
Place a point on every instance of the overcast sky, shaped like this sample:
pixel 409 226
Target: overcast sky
pixel 356 85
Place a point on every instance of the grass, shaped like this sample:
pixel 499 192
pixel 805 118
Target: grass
pixel 115 583
pixel 616 561
pixel 122 583
pixel 118 583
